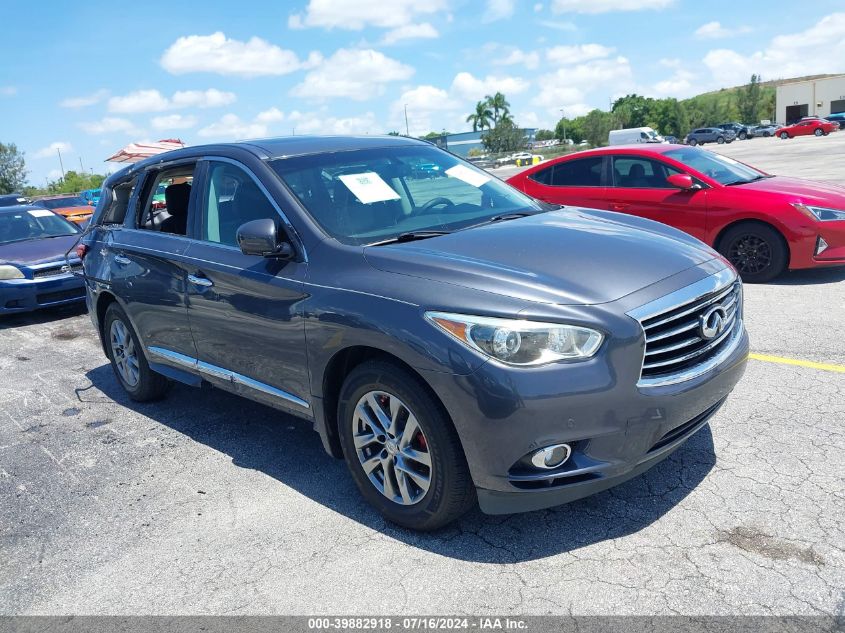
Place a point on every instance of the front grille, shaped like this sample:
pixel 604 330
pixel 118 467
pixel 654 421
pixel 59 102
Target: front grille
pixel 675 342
pixel 53 271
pixel 62 295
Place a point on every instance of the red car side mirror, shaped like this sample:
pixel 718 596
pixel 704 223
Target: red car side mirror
pixel 682 181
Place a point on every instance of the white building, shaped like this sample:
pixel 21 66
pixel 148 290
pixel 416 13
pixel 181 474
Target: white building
pixel 818 97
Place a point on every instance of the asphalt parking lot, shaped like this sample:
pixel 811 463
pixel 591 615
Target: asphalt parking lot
pixel 206 503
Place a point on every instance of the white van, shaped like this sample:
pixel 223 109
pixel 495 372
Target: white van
pixel 634 135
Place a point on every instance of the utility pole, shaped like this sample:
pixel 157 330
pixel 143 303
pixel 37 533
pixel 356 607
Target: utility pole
pixel 407 133
pixel 61 165
pixel 81 168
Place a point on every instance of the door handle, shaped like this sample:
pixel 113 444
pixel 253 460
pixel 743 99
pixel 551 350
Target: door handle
pixel 203 282
pixel 121 260
pixel 618 206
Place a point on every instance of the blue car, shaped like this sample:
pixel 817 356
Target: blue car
pixel 91 196
pixel 33 270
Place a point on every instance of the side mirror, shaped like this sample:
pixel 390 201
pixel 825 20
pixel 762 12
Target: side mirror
pixel 261 238
pixel 682 181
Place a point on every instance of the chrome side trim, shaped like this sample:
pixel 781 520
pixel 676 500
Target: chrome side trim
pixel 220 373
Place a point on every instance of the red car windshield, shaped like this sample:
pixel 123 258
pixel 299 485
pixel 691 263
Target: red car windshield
pixel 722 169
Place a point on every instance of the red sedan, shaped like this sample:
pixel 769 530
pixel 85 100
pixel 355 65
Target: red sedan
pixel 805 127
pixel 762 224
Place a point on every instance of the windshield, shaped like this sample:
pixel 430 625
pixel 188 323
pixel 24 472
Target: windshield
pixel 58 203
pixel 33 224
pixel 375 195
pixel 720 168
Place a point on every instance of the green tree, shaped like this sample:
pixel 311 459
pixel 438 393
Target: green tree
pixel 12 168
pixel 632 110
pixel 749 100
pixel 505 137
pixel 544 135
pixel 500 106
pixel 596 126
pixel 481 117
pixel 572 127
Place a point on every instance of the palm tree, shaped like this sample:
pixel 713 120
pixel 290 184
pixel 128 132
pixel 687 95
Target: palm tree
pixel 498 103
pixel 481 117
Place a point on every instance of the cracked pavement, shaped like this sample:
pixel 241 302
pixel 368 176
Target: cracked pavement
pixel 208 504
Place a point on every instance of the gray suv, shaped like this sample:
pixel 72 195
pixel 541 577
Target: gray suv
pixel 710 135
pixel 452 339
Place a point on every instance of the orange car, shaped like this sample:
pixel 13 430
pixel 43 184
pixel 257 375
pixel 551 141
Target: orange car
pixel 73 207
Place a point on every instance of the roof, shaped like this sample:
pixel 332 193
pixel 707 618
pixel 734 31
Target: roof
pixel 18 208
pixel 654 148
pixel 280 147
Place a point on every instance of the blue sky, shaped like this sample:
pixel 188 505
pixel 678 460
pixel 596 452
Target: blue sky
pixel 90 77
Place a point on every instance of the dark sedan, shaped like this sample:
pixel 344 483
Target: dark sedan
pixel 33 270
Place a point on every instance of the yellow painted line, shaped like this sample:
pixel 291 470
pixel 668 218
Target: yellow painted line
pixel 797 362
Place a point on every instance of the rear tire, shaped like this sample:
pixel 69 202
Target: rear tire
pixel 757 251
pixel 819 132
pixel 743 136
pixel 417 503
pixel 693 142
pixel 720 140
pixel 127 358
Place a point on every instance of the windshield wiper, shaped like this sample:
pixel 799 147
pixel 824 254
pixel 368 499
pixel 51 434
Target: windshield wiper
pixel 410 236
pixel 745 182
pixel 501 218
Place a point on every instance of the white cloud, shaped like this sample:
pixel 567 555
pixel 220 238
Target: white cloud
pixel 715 31
pixel 498 10
pixel 517 56
pixel 352 73
pixel 558 25
pixel 272 115
pixel 216 53
pixel 230 126
pixel 679 84
pixel 8 91
pixel 355 15
pixel 410 32
pixel 569 87
pixel 467 86
pixel 50 150
pixel 154 101
pixel 818 49
pixel 109 125
pixel 567 55
pixel 607 6
pixel 85 100
pixel 315 123
pixel 538 7
pixel 427 107
pixel 211 98
pixel 139 101
pixel 173 122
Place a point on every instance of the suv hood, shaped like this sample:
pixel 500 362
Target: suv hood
pixel 566 257
pixel 808 191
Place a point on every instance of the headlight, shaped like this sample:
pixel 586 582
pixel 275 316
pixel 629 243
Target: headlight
pixel 10 272
pixel 519 342
pixel 822 214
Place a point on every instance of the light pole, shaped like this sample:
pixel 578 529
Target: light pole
pixel 61 165
pixel 407 132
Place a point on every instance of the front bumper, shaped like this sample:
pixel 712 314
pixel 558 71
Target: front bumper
pixel 805 247
pixel 25 295
pixel 616 427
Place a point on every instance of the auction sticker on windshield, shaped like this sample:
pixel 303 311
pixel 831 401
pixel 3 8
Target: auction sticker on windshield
pixel 467 175
pixel 40 213
pixel 368 187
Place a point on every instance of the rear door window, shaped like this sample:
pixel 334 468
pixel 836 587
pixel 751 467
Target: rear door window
pixel 583 172
pixel 167 199
pixel 633 172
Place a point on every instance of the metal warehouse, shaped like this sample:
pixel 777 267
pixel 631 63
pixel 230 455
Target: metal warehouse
pixel 819 97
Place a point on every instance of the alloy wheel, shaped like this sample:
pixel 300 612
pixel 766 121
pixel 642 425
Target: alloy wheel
pixel 124 353
pixel 750 254
pixel 391 447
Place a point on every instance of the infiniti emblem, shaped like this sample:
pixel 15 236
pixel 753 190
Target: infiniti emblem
pixel 712 323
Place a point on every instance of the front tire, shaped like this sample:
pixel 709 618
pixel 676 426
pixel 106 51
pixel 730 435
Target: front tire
pixel 758 252
pixel 693 142
pixel 127 358
pixel 784 135
pixel 720 140
pixel 743 136
pixel 401 448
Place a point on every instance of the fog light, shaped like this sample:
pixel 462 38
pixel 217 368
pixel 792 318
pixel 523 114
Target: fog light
pixel 551 456
pixel 821 245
